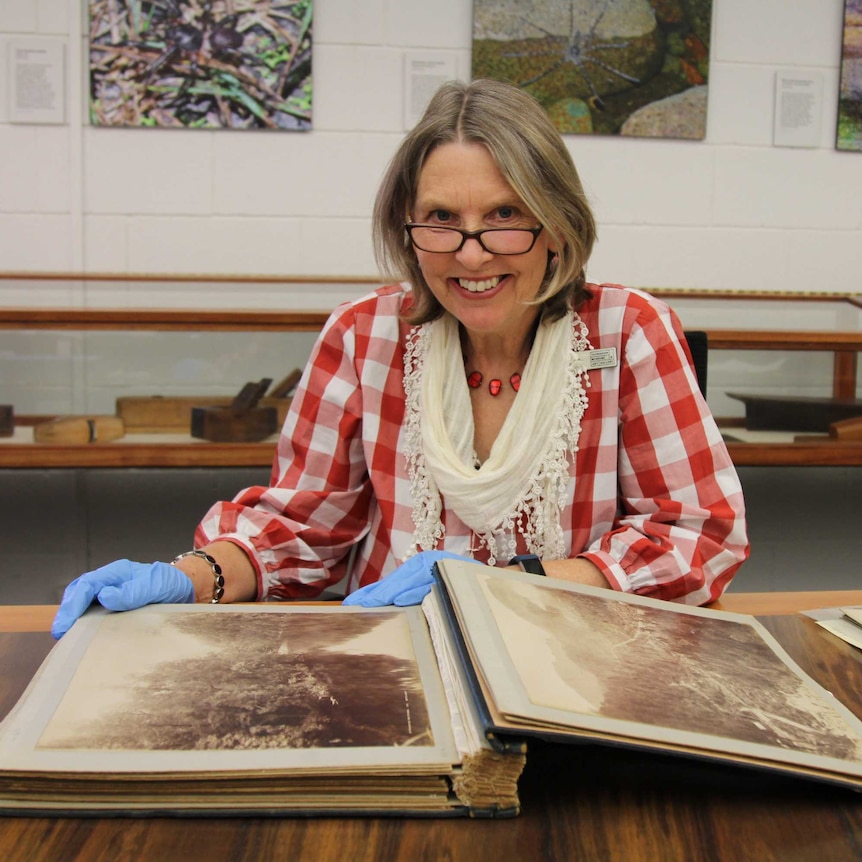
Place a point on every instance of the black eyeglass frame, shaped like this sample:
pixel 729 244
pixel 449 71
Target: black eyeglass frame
pixel 473 234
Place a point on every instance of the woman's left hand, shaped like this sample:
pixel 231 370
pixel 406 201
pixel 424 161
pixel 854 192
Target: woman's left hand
pixel 407 585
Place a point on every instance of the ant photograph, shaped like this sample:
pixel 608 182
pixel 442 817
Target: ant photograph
pixel 603 67
pixel 208 64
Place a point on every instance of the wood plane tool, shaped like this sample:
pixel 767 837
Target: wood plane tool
pixel 243 421
pixel 250 394
pixel 843 431
pixel 7 420
pixel 846 429
pixel 79 430
pixel 796 413
pixel 284 388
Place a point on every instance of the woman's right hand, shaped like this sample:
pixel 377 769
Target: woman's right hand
pixel 122 586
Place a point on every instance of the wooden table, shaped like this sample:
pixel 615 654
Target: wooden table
pixel 578 802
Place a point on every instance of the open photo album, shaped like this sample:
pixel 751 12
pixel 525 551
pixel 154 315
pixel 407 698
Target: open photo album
pixel 329 710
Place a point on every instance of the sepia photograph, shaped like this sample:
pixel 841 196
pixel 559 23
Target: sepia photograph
pixel 567 656
pixel 244 682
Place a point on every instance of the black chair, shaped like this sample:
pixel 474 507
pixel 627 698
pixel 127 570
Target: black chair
pixel 698 345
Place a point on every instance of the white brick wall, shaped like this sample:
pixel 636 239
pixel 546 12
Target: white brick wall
pixel 731 211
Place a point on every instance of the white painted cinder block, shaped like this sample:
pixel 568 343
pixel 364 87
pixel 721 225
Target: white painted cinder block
pixel 646 181
pixel 700 257
pixel 348 88
pixel 349 22
pixel 316 174
pixel 36 242
pixel 35 169
pixel 419 24
pixel 38 294
pixel 55 16
pixel 788 188
pixel 741 97
pixel 335 246
pixel 105 246
pixel 19 16
pixel 4 110
pixel 222 244
pixel 826 261
pixel 777 32
pixel 148 171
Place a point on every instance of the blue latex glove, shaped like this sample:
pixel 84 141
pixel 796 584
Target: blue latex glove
pixel 407 585
pixel 122 586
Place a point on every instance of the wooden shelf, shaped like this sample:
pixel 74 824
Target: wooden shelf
pixel 826 454
pixel 202 454
pixel 163 319
pixel 132 451
pixel 773 339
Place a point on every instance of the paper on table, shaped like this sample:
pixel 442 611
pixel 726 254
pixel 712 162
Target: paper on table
pixel 844 623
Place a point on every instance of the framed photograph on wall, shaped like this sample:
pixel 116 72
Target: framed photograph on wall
pixel 849 133
pixel 208 64
pixel 607 67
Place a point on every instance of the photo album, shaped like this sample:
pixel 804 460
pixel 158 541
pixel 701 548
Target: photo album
pixel 421 711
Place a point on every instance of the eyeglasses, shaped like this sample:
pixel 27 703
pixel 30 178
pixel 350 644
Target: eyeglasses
pixel 495 240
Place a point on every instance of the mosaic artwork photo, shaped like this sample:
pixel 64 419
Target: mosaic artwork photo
pixel 208 64
pixel 603 67
pixel 849 135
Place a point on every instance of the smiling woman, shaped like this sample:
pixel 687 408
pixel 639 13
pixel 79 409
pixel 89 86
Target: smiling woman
pixel 491 294
pixel 490 405
pixel 535 178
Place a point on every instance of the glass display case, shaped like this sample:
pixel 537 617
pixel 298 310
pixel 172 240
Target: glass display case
pixel 83 361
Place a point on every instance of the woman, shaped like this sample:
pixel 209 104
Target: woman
pixel 493 405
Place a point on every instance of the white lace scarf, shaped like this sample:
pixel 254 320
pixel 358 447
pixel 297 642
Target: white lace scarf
pixel 522 484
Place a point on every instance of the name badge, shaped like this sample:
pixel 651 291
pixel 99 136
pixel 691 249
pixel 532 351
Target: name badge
pixel 603 357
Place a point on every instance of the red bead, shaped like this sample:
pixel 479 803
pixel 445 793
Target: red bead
pixel 515 380
pixel 495 386
pixel 474 380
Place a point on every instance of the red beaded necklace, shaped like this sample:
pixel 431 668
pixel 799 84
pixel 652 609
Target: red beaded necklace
pixel 495 385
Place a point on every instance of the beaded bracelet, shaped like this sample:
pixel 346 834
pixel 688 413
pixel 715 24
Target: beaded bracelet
pixel 218 577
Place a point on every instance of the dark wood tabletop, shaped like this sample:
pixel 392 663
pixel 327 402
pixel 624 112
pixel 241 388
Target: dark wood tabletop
pixel 579 802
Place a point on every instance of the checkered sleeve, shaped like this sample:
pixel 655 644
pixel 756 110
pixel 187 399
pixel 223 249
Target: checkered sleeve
pixel 680 529
pixel 321 501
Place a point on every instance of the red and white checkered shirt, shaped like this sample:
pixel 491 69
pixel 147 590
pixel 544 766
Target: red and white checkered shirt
pixel 653 500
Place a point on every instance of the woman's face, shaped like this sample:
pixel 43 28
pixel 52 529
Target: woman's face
pixel 461 186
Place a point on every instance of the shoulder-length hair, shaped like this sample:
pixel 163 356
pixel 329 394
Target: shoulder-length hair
pixel 532 157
